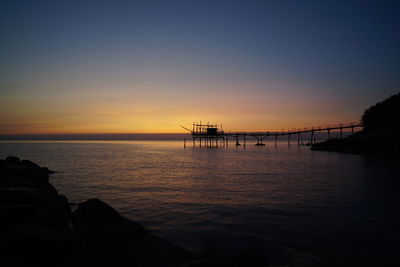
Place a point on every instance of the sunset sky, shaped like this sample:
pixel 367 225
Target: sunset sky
pixel 150 66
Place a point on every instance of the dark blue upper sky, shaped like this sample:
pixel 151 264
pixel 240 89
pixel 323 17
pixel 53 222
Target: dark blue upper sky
pixel 340 52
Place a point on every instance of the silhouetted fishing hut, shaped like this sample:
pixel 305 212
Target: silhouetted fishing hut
pixel 206 134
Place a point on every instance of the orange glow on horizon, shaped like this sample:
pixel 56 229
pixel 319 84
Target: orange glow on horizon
pixel 142 110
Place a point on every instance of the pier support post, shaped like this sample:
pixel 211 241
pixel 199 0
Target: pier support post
pixel 298 139
pixel 288 139
pixel 276 139
pixel 329 134
pixel 312 137
pixel 341 131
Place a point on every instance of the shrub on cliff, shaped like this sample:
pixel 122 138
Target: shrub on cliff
pixel 383 115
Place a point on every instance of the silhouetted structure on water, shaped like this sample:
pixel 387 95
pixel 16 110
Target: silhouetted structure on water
pixel 210 135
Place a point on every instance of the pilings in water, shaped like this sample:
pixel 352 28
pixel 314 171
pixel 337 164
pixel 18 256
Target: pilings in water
pixel 312 137
pixel 237 140
pixel 210 135
pixel 298 138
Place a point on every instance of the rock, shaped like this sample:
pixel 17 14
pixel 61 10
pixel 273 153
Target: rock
pixel 13 160
pixel 40 176
pixel 247 250
pixel 27 197
pixel 12 173
pixel 153 251
pixel 96 221
pixel 14 213
pixel 232 252
pixel 21 195
pixel 55 213
pixel 48 190
pixel 16 181
pixel 3 164
pixel 197 263
pixel 39 245
pixel 30 165
pixel 17 205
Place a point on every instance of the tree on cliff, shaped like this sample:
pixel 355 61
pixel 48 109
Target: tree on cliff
pixel 383 115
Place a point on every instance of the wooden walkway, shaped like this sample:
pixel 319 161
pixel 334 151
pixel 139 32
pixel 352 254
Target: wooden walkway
pixel 210 135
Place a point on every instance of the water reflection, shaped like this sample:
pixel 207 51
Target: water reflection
pixel 314 200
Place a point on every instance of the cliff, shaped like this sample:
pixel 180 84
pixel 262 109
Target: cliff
pixel 381 132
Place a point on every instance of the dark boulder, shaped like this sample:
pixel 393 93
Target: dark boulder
pixel 232 252
pixel 30 165
pixel 153 251
pixel 21 195
pixel 13 160
pixel 248 250
pixel 39 245
pixel 3 164
pixel 27 197
pixel 48 190
pixel 58 209
pixel 94 220
pixel 13 173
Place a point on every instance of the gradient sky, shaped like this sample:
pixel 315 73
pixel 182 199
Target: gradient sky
pixel 150 66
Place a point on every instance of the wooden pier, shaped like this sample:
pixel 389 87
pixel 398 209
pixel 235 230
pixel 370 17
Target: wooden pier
pixel 210 135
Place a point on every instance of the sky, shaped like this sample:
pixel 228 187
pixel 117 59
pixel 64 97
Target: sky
pixel 151 66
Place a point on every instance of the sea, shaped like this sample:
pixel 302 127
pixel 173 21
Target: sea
pixel 343 208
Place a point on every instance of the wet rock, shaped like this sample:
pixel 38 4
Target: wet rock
pixel 94 220
pixel 153 251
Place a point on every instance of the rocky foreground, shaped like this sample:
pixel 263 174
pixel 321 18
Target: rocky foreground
pixel 38 228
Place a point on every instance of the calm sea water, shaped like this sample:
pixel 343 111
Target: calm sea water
pixel 334 205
